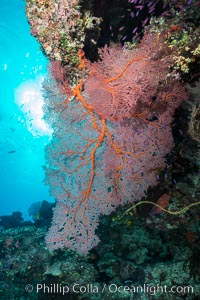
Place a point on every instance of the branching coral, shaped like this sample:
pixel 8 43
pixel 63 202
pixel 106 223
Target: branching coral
pixel 103 156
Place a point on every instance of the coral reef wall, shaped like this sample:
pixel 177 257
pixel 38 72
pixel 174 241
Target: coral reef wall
pixel 112 129
pixel 110 140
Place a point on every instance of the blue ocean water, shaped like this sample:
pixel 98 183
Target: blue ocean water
pixel 23 133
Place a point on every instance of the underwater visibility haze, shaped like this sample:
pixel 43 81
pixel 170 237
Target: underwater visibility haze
pixel 23 133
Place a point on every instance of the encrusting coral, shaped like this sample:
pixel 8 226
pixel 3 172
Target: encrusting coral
pixel 62 29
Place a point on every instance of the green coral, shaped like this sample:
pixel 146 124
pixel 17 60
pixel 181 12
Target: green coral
pixel 183 35
pixel 187 45
pixel 62 28
pixel 69 53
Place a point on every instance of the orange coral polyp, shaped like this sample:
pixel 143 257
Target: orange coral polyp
pixel 81 55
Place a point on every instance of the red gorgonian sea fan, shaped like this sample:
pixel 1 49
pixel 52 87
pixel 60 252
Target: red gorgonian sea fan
pixel 133 83
pixel 110 139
